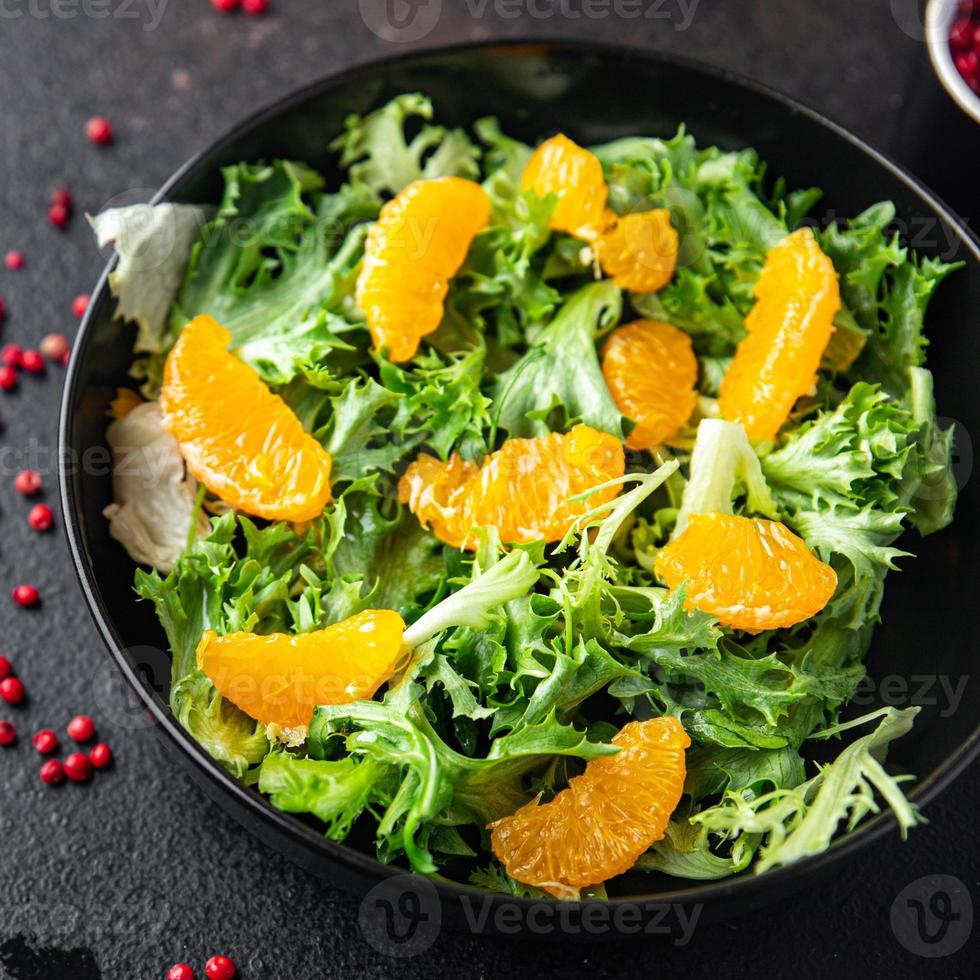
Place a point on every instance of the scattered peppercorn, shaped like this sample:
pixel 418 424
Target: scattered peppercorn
pixel 219 968
pixel 101 756
pixel 32 362
pixel 79 305
pixel 255 8
pixel 41 518
pixel 12 690
pixel 226 6
pixel 78 767
pixel 14 260
pixel 11 354
pixel 8 733
pixel 58 215
pixel 55 346
pixel 98 130
pixel 28 482
pixel 8 378
pixel 45 741
pixel 81 728
pixel 180 971
pixel 6 667
pixel 62 196
pixel 52 772
pixel 26 595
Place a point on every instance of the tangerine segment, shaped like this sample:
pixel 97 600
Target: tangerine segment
pixel 243 442
pixel 650 370
pixel 752 574
pixel 279 679
pixel 522 489
pixel 560 166
pixel 606 818
pixel 640 250
pixel 797 297
pixel 414 248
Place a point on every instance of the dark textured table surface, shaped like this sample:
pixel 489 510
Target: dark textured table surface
pixel 139 870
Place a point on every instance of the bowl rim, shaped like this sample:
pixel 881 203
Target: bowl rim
pixel 749 889
pixel 939 18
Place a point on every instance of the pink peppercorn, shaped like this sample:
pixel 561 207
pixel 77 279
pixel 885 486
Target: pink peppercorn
pixel 58 215
pixel 78 767
pixel 12 690
pixel 26 595
pixel 41 518
pixel 81 728
pixel 45 741
pixel 32 362
pixel 255 8
pixel 52 772
pixel 79 305
pixel 101 756
pixel 8 733
pixel 62 196
pixel 28 482
pixel 180 971
pixel 219 968
pixel 14 260
pixel 226 6
pixel 98 130
pixel 55 346
pixel 8 378
pixel 11 355
pixel 6 667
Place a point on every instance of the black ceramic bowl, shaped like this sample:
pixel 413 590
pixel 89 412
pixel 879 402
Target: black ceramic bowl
pixel 594 94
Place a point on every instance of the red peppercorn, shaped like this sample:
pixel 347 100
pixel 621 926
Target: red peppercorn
pixel 12 690
pixel 41 518
pixel 8 378
pixel 961 33
pixel 26 595
pixel 6 667
pixel 79 305
pixel 52 772
pixel 45 741
pixel 65 358
pixel 255 8
pixel 81 728
pixel 180 971
pixel 32 362
pixel 55 346
pixel 14 260
pixel 98 130
pixel 225 6
pixel 967 64
pixel 62 196
pixel 219 968
pixel 101 756
pixel 3 309
pixel 11 355
pixel 58 215
pixel 78 767
pixel 8 733
pixel 27 482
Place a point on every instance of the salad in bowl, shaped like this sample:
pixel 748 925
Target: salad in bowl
pixel 528 507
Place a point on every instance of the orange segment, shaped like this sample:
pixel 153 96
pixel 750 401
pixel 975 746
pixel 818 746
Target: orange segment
pixel 639 251
pixel 752 574
pixel 279 679
pixel 414 248
pixel 606 818
pixel 797 297
pixel 239 439
pixel 560 166
pixel 522 489
pixel 650 370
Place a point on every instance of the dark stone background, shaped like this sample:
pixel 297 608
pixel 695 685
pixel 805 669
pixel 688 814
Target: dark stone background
pixel 138 870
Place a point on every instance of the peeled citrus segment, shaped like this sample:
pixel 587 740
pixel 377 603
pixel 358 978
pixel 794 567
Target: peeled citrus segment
pixel 797 297
pixel 639 251
pixel 650 370
pixel 752 574
pixel 279 679
pixel 606 818
pixel 243 442
pixel 414 248
pixel 560 166
pixel 522 489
